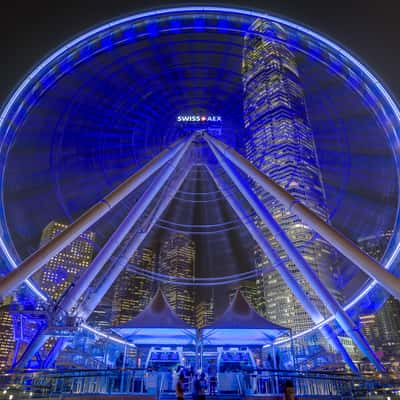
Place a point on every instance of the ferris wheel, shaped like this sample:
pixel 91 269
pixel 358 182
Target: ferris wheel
pixel 227 125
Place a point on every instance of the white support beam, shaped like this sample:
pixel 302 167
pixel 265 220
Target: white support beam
pixel 87 307
pixel 36 260
pixel 79 287
pixel 284 272
pixel 309 274
pixel 345 246
pixel 33 347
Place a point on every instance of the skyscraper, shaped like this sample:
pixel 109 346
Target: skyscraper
pixel 133 292
pixel 383 328
pixel 101 316
pixel 389 325
pixel 251 290
pixel 177 259
pixel 205 313
pixel 62 269
pixel 7 342
pixel 280 143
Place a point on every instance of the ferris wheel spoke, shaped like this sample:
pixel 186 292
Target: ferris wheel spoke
pixel 121 232
pixel 310 275
pixel 284 272
pixel 85 309
pixel 336 239
pixel 34 262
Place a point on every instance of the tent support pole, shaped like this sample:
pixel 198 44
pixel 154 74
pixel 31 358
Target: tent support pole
pixel 275 369
pixel 201 356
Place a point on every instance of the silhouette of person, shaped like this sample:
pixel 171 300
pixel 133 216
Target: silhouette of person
pixel 289 390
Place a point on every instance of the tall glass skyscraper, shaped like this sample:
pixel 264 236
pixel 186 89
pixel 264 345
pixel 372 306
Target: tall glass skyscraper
pixel 177 258
pixel 280 143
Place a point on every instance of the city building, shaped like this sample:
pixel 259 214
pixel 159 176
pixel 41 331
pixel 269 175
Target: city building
pixel 7 342
pixel 57 275
pixel 389 326
pixel 280 143
pixel 205 313
pixel 375 245
pixel 177 259
pixel 101 317
pixel 253 292
pixel 132 291
pixel 64 268
pixel 383 329
pixel 369 326
pixel 350 347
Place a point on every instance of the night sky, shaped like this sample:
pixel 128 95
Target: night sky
pixel 32 29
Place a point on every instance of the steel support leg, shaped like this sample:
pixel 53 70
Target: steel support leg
pixel 345 246
pixel 86 308
pixel 33 347
pixel 79 288
pixel 318 287
pixel 36 260
pixel 59 345
pixel 286 275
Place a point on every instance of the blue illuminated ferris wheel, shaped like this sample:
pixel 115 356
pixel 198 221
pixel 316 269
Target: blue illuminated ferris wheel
pixel 267 143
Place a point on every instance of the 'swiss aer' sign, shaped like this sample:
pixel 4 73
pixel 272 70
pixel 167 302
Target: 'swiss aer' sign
pixel 199 118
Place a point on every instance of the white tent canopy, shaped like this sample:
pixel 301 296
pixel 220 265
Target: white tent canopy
pixel 157 324
pixel 240 324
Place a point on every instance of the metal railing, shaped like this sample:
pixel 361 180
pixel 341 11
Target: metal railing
pixel 51 383
pixel 37 384
pixel 272 382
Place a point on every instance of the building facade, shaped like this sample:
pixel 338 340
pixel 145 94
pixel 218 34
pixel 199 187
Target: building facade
pixel 62 269
pixel 205 313
pixel 7 342
pixel 382 330
pixel 253 293
pixel 375 245
pixel 177 259
pixel 280 143
pixel 132 291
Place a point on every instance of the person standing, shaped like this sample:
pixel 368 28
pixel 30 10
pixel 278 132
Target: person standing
pixel 203 386
pixel 180 388
pixel 196 387
pixel 212 376
pixel 289 390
